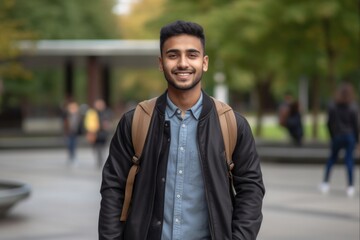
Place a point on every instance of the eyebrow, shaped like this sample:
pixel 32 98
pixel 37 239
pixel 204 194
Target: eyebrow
pixel 191 50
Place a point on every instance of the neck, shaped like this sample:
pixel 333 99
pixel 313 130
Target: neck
pixel 184 99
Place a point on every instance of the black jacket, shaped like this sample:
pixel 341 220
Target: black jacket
pixel 343 119
pixel 231 217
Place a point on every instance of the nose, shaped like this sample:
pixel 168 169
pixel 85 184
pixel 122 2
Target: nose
pixel 183 62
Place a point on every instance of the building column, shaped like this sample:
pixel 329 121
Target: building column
pixel 106 75
pixel 69 79
pixel 94 90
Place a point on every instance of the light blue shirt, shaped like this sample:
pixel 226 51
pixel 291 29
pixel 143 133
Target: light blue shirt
pixel 185 207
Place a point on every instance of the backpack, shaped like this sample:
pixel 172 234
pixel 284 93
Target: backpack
pixel 140 125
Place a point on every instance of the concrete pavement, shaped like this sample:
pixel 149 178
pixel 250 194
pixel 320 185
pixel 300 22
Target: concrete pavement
pixel 64 202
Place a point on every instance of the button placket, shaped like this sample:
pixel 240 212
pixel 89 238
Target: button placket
pixel 179 184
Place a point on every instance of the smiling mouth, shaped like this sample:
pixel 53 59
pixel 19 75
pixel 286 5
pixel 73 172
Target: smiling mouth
pixel 183 74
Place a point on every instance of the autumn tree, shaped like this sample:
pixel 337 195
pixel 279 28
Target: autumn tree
pixel 11 31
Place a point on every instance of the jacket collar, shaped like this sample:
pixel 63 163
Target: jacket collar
pixel 206 108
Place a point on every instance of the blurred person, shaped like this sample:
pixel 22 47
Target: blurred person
pixel 290 118
pixel 343 126
pixel 294 123
pixel 284 108
pixel 182 189
pixel 72 124
pixel 97 125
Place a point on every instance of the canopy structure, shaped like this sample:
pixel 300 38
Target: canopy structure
pixel 98 56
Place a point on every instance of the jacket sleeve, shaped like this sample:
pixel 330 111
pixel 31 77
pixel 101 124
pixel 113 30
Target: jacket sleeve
pixel 114 176
pixel 248 183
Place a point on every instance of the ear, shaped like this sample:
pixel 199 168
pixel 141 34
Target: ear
pixel 205 63
pixel 161 67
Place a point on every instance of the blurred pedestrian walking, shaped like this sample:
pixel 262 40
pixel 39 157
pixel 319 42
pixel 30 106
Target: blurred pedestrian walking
pixel 97 125
pixel 343 126
pixel 72 125
pixel 290 118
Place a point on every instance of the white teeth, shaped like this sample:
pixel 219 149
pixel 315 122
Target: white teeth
pixel 183 74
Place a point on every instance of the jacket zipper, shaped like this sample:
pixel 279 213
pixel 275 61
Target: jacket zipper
pixel 211 224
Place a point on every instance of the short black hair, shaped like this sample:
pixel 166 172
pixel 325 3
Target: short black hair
pixel 181 27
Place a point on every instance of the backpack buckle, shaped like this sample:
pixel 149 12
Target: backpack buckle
pixel 135 160
pixel 230 166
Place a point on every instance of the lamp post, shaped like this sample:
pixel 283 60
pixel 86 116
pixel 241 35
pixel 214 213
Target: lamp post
pixel 221 91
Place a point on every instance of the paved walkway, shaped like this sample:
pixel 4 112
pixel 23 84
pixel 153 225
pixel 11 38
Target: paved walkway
pixel 64 202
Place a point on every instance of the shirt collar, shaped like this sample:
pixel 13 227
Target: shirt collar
pixel 195 110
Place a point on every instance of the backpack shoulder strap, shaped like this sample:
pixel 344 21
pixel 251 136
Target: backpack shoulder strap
pixel 140 124
pixel 139 128
pixel 228 128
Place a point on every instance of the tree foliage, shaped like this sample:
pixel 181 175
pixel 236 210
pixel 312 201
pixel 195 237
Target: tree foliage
pixel 267 46
pixel 284 38
pixel 135 24
pixel 11 31
pixel 58 19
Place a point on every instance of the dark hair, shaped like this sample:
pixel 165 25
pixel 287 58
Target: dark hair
pixel 181 27
pixel 345 93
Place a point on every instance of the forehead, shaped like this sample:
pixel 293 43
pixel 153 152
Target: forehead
pixel 182 42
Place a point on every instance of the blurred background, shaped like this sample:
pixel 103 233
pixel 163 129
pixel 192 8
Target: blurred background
pixel 53 53
pixel 55 50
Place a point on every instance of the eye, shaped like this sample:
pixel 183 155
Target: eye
pixel 172 55
pixel 193 55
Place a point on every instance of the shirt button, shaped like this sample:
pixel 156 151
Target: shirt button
pixel 178 111
pixel 163 179
pixel 181 148
pixel 183 125
pixel 158 223
pixel 177 220
pixel 180 171
pixel 178 196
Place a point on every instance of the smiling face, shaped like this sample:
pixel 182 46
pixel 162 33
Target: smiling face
pixel 183 62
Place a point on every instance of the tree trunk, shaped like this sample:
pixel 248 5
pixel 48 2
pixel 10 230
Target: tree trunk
pixel 315 108
pixel 262 88
pixel 330 53
pixel 259 117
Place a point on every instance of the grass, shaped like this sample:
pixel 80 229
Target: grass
pixel 273 131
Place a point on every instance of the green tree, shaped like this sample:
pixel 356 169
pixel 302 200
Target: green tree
pixel 324 38
pixel 266 46
pixel 58 19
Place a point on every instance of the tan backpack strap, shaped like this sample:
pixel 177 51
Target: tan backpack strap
pixel 139 128
pixel 228 128
pixel 128 192
pixel 140 124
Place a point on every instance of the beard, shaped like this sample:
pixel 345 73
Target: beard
pixel 174 84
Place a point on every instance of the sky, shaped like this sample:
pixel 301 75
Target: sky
pixel 124 6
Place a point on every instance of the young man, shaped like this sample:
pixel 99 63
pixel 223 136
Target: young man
pixel 182 188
